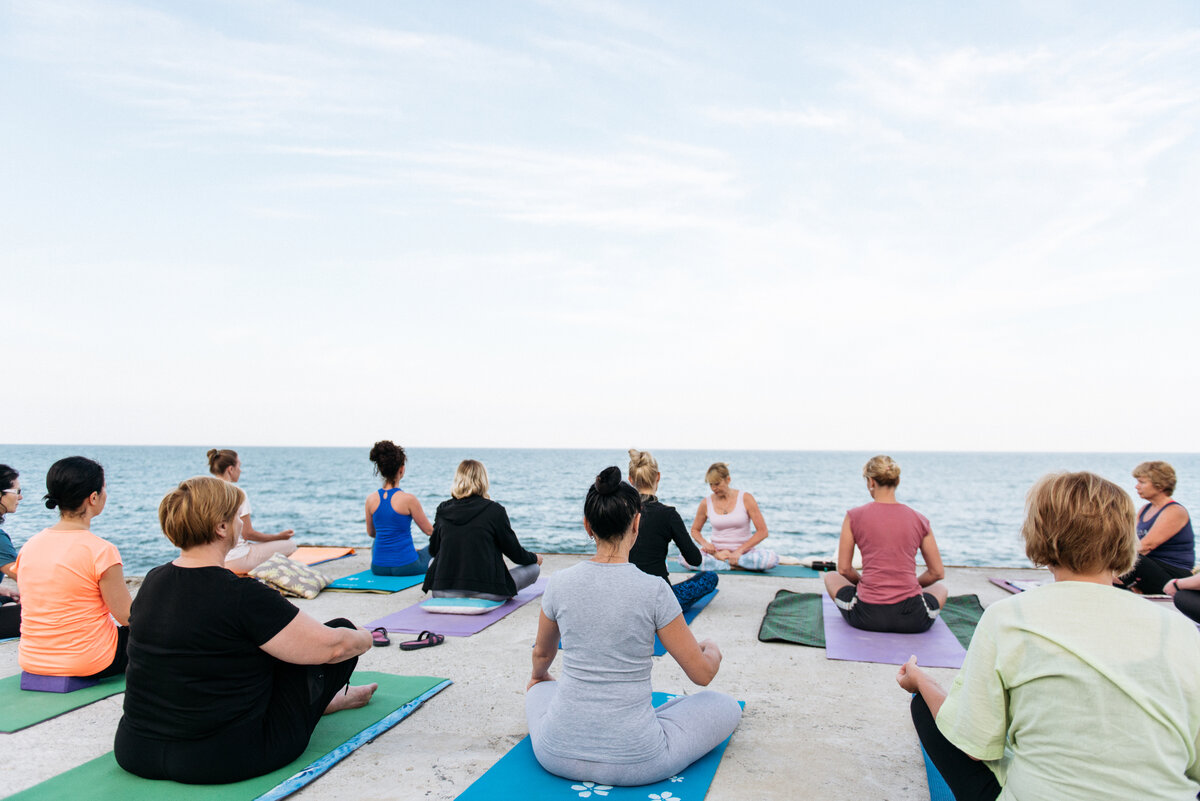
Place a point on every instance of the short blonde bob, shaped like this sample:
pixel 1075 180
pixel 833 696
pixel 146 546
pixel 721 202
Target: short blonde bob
pixel 643 470
pixel 470 479
pixel 1161 475
pixel 190 513
pixel 717 471
pixel 883 470
pixel 1080 522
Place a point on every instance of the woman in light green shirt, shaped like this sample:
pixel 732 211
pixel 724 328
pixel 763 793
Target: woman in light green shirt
pixel 1074 690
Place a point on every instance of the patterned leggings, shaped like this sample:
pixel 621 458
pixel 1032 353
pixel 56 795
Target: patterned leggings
pixel 754 559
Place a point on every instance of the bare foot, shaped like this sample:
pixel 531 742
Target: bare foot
pixel 351 698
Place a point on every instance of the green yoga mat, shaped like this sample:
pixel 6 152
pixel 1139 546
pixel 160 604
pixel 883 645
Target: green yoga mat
pixel 779 571
pixel 334 738
pixel 795 617
pixel 20 709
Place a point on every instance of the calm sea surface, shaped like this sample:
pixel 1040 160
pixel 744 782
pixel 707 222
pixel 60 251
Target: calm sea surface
pixel 973 500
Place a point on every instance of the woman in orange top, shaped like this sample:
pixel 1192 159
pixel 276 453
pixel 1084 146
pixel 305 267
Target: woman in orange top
pixel 72 584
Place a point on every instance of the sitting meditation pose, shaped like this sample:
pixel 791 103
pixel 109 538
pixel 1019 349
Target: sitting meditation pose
pixel 597 723
pixel 661 525
pixel 10 597
pixel 888 595
pixel 255 547
pixel 730 511
pixel 1186 592
pixel 471 535
pixel 72 583
pixel 1073 691
pixel 390 514
pixel 226 679
pixel 1166 544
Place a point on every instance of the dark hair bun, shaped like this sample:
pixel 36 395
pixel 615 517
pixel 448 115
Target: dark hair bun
pixel 608 481
pixel 388 458
pixel 50 502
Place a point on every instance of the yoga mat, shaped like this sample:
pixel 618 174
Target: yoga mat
pixel 336 736
pixel 367 581
pixel 937 647
pixel 315 555
pixel 779 571
pixel 688 616
pixel 20 709
pixel 1018 585
pixel 414 619
pixel 938 789
pixel 796 617
pixel 518 777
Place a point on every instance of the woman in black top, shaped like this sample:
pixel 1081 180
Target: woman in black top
pixel 661 525
pixel 471 534
pixel 226 679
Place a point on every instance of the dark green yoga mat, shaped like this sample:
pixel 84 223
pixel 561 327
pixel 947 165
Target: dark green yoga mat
pixel 796 617
pixel 103 778
pixel 20 709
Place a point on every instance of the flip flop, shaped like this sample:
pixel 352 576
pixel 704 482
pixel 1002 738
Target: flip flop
pixel 426 639
pixel 379 636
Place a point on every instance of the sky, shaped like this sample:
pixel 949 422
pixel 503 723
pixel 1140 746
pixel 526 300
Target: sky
pixel 763 225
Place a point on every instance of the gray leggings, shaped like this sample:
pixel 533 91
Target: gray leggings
pixel 693 725
pixel 522 576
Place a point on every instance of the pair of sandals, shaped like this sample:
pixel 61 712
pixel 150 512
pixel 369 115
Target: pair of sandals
pixel 426 639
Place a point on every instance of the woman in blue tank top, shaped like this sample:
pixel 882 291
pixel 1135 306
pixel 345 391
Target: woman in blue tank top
pixel 1166 544
pixel 390 515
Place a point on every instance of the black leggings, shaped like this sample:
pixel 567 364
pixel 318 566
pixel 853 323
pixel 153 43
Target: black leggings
pixel 299 696
pixel 969 779
pixel 1188 602
pixel 1149 575
pixel 10 619
pixel 120 657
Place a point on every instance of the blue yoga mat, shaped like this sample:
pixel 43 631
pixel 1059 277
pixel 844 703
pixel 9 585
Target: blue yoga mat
pixel 779 571
pixel 688 616
pixel 367 581
pixel 519 777
pixel 938 789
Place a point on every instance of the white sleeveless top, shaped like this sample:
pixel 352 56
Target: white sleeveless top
pixel 731 530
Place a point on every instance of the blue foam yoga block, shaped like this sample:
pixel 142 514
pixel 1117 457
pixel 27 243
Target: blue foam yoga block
pixel 54 684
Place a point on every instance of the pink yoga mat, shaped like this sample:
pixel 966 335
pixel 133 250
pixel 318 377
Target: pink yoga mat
pixel 937 647
pixel 414 619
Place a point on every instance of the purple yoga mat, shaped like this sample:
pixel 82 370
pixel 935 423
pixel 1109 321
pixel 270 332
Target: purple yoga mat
pixel 414 619
pixel 937 647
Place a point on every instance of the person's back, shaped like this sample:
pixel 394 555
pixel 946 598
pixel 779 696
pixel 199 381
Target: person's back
pixel 1089 713
pixel 888 535
pixel 393 533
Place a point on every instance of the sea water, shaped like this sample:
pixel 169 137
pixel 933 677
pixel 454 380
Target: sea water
pixel 974 501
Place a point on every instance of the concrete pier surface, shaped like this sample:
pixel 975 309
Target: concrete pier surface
pixel 813 728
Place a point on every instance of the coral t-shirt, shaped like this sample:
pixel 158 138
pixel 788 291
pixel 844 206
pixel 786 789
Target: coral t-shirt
pixel 889 536
pixel 66 628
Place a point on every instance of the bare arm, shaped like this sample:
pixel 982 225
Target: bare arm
pixel 1170 521
pixel 307 641
pixel 698 526
pixel 9 570
pixel 1189 583
pixel 699 660
pixel 412 508
pixel 371 514
pixel 934 570
pixel 845 558
pixel 116 594
pixel 915 680
pixel 545 648
pixel 250 533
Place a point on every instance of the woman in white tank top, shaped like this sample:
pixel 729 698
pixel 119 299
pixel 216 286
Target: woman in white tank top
pixel 733 544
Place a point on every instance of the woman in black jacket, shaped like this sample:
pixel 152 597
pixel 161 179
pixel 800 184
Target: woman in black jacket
pixel 660 526
pixel 470 533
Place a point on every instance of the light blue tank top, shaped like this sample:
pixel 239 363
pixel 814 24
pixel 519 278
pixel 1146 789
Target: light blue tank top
pixel 393 534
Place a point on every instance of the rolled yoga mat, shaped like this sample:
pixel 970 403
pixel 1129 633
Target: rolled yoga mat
pixel 779 571
pixel 335 738
pixel 20 709
pixel 519 777
pixel 319 554
pixel 414 619
pixel 937 647
pixel 366 581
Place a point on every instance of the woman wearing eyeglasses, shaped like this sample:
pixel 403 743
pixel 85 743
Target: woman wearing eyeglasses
pixel 10 607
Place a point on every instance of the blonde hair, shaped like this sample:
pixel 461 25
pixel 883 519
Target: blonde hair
pixel 1081 522
pixel 883 470
pixel 1161 475
pixel 221 460
pixel 190 513
pixel 716 472
pixel 643 469
pixel 470 478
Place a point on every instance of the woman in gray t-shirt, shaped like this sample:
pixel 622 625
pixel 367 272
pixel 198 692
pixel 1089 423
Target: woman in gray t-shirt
pixel 597 723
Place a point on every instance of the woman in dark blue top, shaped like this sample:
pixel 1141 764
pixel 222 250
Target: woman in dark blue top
pixel 1166 544
pixel 390 515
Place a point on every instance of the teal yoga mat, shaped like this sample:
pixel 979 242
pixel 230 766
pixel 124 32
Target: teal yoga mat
pixel 20 709
pixel 367 581
pixel 336 736
pixel 519 777
pixel 938 789
pixel 779 571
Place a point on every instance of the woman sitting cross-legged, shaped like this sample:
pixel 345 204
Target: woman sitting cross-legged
pixel 731 511
pixel 597 723
pixel 226 679
pixel 1186 592
pixel 661 525
pixel 391 513
pixel 1076 690
pixel 471 535
pixel 888 595
pixel 1166 543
